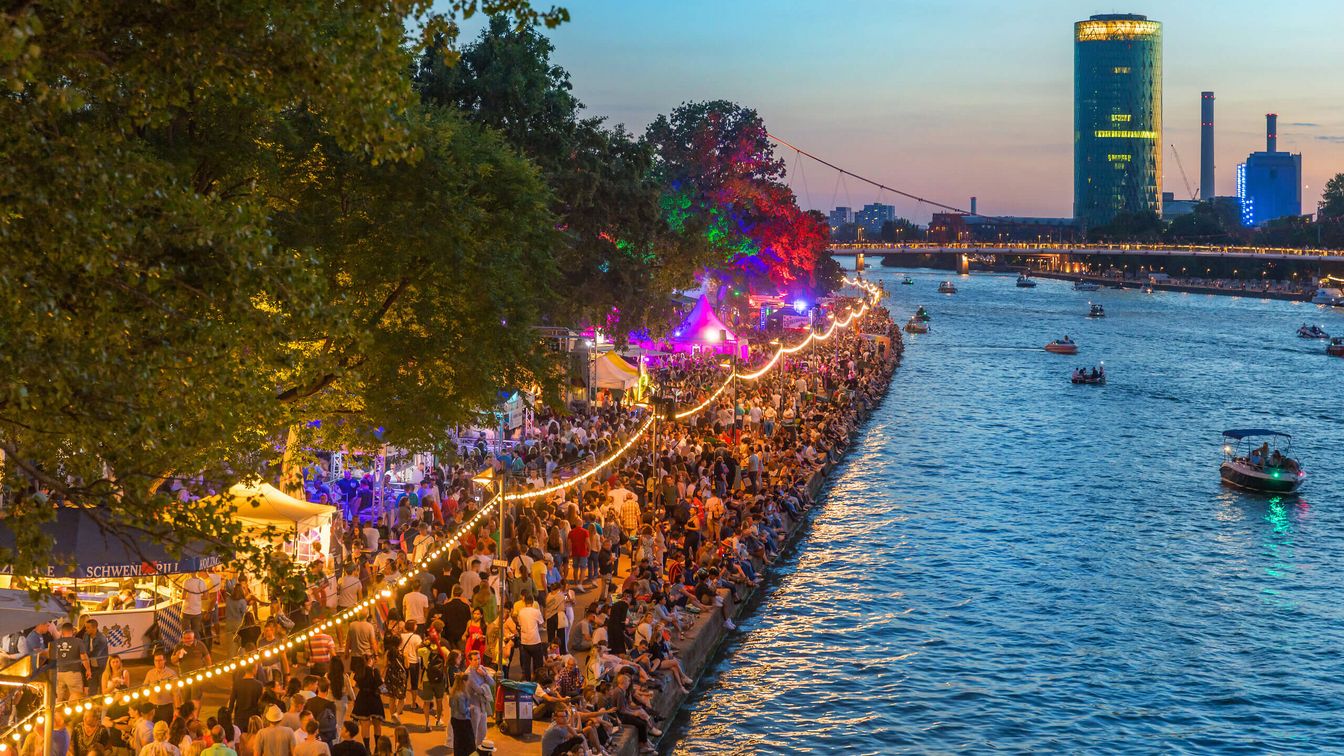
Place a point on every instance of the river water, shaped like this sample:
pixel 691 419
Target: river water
pixel 1010 563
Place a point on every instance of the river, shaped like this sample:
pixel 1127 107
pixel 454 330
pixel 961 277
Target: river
pixel 1010 563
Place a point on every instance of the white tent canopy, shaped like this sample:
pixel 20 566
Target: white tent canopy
pixel 613 372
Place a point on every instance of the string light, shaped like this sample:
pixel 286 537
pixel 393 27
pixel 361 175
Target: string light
pixel 230 665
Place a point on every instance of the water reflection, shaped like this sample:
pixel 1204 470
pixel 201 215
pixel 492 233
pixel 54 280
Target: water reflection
pixel 1010 562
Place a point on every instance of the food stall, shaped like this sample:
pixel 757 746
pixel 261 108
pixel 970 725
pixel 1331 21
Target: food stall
pixel 127 585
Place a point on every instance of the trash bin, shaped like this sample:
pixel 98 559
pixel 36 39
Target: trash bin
pixel 515 710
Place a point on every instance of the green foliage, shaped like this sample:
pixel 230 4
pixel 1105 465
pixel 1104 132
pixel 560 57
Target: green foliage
pixel 183 285
pixel 1203 225
pixel 434 269
pixel 1331 206
pixel 618 258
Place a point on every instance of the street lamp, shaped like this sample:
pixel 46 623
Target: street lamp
pixel 484 479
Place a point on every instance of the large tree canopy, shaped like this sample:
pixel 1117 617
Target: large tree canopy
pixel 719 170
pixel 215 225
pixel 618 258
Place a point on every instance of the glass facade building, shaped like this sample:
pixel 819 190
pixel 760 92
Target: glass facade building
pixel 1117 117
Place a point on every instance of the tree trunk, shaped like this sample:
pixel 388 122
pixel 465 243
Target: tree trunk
pixel 291 474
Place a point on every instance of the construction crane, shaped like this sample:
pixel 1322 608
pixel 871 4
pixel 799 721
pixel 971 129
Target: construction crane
pixel 1183 176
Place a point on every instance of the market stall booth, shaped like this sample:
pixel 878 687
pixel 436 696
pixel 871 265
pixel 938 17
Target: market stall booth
pixel 303 528
pixel 613 372
pixel 131 586
pixel 703 331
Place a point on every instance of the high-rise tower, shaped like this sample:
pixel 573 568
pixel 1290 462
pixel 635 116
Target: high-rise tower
pixel 1206 188
pixel 1117 117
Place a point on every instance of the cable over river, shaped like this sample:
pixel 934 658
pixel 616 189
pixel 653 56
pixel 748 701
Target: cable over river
pixel 1011 563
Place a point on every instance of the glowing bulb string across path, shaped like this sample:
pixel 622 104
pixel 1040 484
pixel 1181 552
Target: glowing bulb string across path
pixel 196 677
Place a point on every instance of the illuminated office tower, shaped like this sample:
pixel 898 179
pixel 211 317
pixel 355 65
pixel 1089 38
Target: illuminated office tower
pixel 1117 117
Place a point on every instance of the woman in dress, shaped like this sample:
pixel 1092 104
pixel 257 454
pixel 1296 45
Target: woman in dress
pixel 368 709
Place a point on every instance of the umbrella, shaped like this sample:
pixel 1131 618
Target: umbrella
pixel 95 554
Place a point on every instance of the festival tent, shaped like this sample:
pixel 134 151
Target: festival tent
pixel 702 330
pixel 263 505
pixel 613 372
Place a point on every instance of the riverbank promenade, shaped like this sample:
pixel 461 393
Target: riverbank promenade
pixel 620 581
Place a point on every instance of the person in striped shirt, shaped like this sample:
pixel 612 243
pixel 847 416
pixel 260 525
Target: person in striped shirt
pixel 321 647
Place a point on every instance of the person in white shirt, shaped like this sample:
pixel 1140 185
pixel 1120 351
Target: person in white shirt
pixel 414 606
pixel 531 636
pixel 193 591
pixel 348 589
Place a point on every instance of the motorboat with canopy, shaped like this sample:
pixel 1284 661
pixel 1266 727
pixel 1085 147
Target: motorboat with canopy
pixel 1025 282
pixel 1261 460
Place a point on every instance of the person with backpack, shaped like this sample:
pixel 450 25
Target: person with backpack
pixel 323 709
pixel 434 663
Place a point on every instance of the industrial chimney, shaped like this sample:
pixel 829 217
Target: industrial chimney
pixel 1271 132
pixel 973 206
pixel 1206 187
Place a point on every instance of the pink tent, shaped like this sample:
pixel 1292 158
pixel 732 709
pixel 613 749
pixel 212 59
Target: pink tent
pixel 703 331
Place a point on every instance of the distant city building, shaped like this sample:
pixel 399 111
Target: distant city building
pixel 872 216
pixel 1117 117
pixel 1269 183
pixel 1172 207
pixel 960 227
pixel 840 217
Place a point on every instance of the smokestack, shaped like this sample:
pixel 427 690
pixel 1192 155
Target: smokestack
pixel 1271 132
pixel 1206 186
pixel 973 206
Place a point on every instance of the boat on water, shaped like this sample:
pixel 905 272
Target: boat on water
pixel 1147 289
pixel 1065 345
pixel 907 281
pixel 1025 282
pixel 946 287
pixel 1094 377
pixel 921 315
pixel 1086 286
pixel 1328 295
pixel 915 325
pixel 1264 467
pixel 1336 347
pixel 1311 332
pixel 1096 311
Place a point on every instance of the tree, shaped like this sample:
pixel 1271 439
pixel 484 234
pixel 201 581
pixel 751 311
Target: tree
pixel 1331 206
pixel 436 269
pixel 151 317
pixel 1203 225
pixel 618 260
pixel 719 170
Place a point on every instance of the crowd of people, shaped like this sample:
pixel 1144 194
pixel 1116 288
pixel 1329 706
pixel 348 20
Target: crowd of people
pixel 581 605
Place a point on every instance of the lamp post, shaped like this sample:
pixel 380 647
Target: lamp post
pixel 484 478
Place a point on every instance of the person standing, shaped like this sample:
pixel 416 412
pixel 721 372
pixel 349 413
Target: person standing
pixel 160 745
pixel 219 744
pixel 460 731
pixel 245 699
pixel 531 626
pixel 368 707
pixel 193 593
pixel 274 739
pixel 191 655
pixel 96 645
pixel 349 744
pixel 72 664
pixel 481 689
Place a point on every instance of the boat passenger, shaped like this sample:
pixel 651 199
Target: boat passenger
pixel 1276 459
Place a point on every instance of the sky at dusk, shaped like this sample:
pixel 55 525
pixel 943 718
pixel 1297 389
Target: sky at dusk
pixel 953 99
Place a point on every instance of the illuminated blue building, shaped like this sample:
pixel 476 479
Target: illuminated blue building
pixel 1269 183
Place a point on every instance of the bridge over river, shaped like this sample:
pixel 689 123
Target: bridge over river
pixel 1069 257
